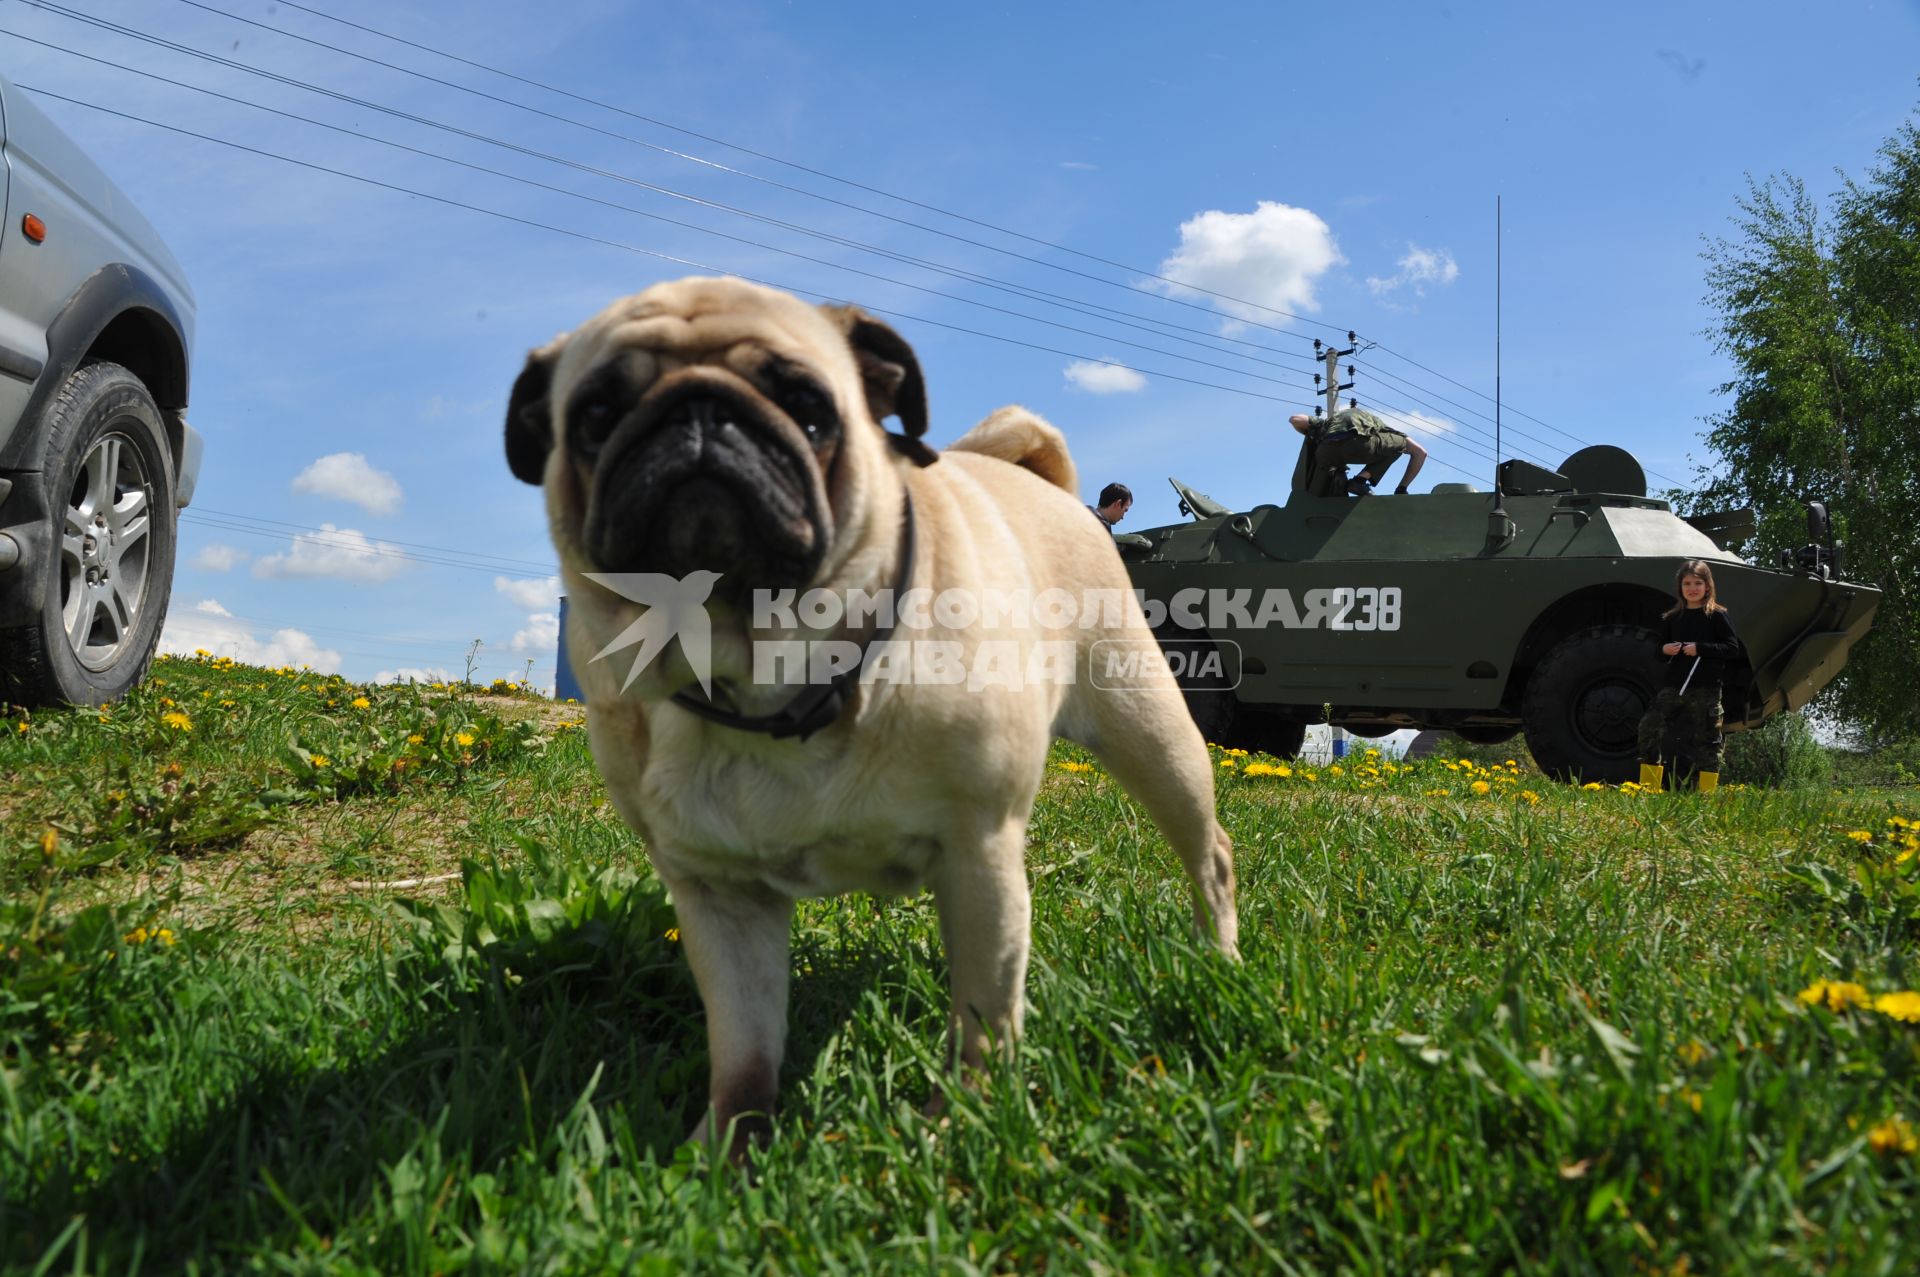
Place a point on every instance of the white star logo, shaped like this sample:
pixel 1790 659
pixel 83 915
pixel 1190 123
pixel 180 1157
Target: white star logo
pixel 674 606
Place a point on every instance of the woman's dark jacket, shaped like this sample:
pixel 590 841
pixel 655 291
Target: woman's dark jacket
pixel 1715 641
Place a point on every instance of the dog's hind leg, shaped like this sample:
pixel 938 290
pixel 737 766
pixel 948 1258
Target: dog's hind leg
pixel 737 944
pixel 1146 739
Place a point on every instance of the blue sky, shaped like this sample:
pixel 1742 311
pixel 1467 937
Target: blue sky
pixel 355 344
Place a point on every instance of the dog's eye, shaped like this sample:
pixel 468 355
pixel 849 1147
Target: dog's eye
pixel 593 420
pixel 810 408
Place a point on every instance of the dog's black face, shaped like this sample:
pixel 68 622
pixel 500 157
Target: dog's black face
pixel 705 468
pixel 727 447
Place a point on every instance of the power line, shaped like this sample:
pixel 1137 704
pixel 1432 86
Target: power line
pixel 1075 305
pixel 787 163
pixel 1071 304
pixel 645 252
pixel 479 560
pixel 714 164
pixel 359 549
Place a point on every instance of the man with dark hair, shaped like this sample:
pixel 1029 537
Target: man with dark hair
pixel 1349 437
pixel 1115 500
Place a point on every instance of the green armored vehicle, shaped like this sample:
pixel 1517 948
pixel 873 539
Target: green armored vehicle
pixel 1532 611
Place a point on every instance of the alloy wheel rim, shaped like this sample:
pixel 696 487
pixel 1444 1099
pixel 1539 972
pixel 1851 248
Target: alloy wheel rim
pixel 106 551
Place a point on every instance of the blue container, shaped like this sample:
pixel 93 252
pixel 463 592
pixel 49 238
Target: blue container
pixel 565 686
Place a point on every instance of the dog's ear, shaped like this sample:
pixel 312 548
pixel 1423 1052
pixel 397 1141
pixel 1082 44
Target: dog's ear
pixel 890 373
pixel 529 416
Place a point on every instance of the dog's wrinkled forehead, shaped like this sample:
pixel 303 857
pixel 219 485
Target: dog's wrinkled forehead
pixel 702 321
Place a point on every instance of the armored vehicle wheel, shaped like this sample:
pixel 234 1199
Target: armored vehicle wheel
pixel 1479 734
pixel 1583 705
pixel 1209 692
pixel 1273 734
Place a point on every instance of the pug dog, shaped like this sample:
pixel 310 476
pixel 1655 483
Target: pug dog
pixel 723 442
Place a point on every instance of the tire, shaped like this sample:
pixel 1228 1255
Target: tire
pixel 1480 734
pixel 1268 733
pixel 1584 702
pixel 104 583
pixel 1209 694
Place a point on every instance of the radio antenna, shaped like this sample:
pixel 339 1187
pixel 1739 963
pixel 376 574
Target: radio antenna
pixel 1500 528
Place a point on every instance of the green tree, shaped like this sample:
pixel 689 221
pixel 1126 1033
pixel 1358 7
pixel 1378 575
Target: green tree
pixel 1821 317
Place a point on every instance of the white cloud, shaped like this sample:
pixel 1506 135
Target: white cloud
pixel 415 674
pixel 210 627
pixel 1269 258
pixel 347 476
pixel 342 553
pixel 1104 379
pixel 1419 268
pixel 541 635
pixel 1081 165
pixel 530 594
pixel 220 558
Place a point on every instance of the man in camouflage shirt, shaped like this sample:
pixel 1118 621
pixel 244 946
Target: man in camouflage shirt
pixel 1352 436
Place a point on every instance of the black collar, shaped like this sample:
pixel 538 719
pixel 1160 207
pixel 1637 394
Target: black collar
pixel 818 704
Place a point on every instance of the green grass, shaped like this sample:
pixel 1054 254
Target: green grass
pixel 1472 1033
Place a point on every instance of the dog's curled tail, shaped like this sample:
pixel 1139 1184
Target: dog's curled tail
pixel 1016 435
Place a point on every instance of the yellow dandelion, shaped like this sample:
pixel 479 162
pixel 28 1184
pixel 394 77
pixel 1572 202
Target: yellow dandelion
pixel 139 935
pixel 166 702
pixel 24 729
pixel 202 652
pixel 1895 1135
pixel 1904 1005
pixel 1267 769
pixel 673 935
pixel 1860 835
pixel 361 702
pixel 1438 793
pixel 177 720
pixel 1838 995
pixel 1480 787
pixel 416 739
pixel 1334 770
pixel 1693 1052
pixel 463 739
pixel 1228 762
pixel 49 842
pixel 1530 796
pixel 1309 776
pixel 320 760
pixel 1068 766
pixel 1593 786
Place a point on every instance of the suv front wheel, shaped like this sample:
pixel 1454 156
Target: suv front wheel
pixel 103 587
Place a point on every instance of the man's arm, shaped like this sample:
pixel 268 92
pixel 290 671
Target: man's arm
pixel 1416 457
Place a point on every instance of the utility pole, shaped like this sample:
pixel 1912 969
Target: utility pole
pixel 1332 357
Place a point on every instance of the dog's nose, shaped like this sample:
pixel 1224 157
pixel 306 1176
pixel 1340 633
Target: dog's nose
pixel 701 413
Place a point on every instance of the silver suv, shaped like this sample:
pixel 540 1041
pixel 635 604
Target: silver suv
pixel 96 456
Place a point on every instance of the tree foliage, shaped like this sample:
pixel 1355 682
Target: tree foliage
pixel 1821 318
